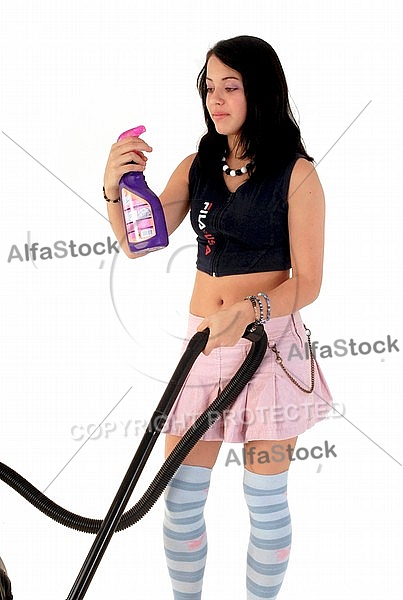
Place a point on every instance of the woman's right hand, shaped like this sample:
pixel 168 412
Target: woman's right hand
pixel 123 154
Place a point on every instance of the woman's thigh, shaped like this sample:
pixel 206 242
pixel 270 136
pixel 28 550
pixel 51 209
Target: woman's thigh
pixel 269 457
pixel 204 453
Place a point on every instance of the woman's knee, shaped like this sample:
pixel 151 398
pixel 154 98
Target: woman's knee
pixel 269 457
pixel 203 454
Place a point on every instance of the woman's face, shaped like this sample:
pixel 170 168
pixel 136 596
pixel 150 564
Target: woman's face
pixel 226 102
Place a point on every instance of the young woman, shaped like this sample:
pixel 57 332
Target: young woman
pixel 257 207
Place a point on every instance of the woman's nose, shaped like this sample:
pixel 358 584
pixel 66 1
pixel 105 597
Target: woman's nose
pixel 216 98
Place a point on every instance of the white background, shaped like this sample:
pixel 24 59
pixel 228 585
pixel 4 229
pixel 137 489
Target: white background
pixel 78 333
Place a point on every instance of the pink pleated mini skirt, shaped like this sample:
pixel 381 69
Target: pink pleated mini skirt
pixel 271 406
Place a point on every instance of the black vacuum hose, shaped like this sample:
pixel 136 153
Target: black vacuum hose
pixel 223 401
pixel 5 583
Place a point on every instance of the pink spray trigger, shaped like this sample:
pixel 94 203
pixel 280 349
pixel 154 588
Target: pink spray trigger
pixel 135 132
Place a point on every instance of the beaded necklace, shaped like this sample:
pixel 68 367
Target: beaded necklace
pixel 233 172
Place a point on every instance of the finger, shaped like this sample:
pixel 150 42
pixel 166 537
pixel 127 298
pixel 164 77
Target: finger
pixel 131 150
pixel 203 325
pixel 207 350
pixel 133 142
pixel 129 169
pixel 139 155
pixel 134 157
pixel 149 148
pixel 130 159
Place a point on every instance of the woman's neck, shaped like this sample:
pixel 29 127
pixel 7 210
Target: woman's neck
pixel 234 147
pixel 235 150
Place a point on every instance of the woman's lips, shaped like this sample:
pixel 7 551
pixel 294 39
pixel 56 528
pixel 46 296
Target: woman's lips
pixel 218 116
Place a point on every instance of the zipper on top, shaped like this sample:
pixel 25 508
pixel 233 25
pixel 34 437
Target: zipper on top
pixel 216 222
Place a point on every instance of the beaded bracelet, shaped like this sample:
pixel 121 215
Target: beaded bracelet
pixel 266 297
pixel 259 319
pixel 108 199
pixel 253 301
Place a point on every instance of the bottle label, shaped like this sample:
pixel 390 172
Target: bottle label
pixel 138 216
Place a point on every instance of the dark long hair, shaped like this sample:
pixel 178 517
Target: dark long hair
pixel 270 135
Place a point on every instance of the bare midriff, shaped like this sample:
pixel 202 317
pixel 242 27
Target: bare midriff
pixel 211 294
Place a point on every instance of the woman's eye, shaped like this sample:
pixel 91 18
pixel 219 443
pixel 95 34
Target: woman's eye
pixel 210 90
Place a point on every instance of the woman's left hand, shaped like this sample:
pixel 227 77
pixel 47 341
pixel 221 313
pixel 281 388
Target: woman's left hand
pixel 227 325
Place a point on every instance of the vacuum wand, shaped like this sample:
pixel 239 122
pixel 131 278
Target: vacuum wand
pixel 115 512
pixel 109 524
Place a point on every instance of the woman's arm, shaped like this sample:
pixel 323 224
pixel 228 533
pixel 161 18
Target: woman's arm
pixel 306 219
pixel 175 197
pixel 306 224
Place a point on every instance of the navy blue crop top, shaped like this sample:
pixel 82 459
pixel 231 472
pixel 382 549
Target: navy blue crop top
pixel 245 231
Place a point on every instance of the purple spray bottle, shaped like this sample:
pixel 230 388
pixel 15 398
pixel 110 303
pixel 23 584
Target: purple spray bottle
pixel 143 215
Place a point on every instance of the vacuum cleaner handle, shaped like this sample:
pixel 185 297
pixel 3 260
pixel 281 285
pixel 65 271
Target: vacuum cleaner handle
pixel 253 333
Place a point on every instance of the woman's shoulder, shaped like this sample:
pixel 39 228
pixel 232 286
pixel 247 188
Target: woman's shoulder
pixel 189 161
pixel 182 171
pixel 304 177
pixel 301 167
pixel 184 168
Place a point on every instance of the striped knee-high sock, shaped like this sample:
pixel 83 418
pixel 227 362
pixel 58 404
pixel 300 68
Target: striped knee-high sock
pixel 270 535
pixel 185 539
